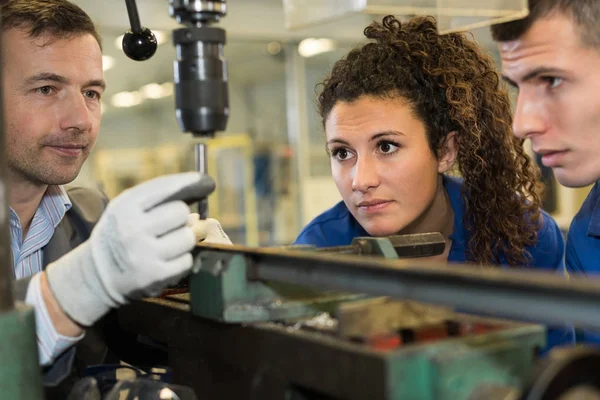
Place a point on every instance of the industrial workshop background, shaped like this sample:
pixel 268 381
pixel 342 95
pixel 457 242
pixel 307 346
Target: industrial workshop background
pixel 270 164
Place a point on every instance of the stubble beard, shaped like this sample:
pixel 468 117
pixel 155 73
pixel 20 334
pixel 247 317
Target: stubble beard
pixel 36 164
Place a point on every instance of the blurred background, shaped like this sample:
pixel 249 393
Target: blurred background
pixel 270 165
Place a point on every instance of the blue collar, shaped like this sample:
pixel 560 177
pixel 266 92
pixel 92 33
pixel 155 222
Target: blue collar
pixel 454 187
pixel 594 228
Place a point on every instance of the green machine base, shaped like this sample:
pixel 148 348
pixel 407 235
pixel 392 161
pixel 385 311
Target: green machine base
pixel 20 375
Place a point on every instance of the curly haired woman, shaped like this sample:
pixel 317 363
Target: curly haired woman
pixel 402 111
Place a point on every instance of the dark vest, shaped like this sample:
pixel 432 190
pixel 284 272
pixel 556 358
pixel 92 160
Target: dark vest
pixel 74 229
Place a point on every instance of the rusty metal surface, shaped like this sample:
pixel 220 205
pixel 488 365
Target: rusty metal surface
pixel 382 314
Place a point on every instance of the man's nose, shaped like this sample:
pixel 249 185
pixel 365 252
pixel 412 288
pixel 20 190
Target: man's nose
pixel 529 116
pixel 366 175
pixel 76 114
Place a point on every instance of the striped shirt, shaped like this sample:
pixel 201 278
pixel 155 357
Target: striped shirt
pixel 28 260
pixel 27 254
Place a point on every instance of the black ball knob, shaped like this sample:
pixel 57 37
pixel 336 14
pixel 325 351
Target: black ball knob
pixel 139 46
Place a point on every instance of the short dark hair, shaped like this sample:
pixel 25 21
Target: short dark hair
pixel 585 14
pixel 59 18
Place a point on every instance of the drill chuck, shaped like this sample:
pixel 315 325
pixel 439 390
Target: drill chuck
pixel 201 87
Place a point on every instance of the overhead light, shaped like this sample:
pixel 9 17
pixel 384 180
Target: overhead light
pixel 153 91
pixel 107 62
pixel 168 88
pixel 161 37
pixel 311 47
pixel 273 48
pixel 157 91
pixel 127 99
pixel 119 42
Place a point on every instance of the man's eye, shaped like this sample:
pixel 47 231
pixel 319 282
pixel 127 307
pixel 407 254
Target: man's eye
pixel 553 82
pixel 45 90
pixel 92 94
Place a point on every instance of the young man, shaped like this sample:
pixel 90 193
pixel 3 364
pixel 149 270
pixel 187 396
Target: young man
pixel 52 85
pixel 553 58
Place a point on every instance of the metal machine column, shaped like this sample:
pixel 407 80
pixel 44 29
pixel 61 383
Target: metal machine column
pixel 19 372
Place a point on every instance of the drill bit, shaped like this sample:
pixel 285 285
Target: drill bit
pixel 202 166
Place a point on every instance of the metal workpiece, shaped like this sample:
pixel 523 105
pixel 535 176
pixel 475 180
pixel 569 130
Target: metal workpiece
pixel 521 294
pixel 395 246
pixel 362 247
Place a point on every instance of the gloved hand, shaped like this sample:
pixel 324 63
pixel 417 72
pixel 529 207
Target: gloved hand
pixel 207 230
pixel 140 245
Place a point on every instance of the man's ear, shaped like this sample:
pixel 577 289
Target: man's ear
pixel 448 152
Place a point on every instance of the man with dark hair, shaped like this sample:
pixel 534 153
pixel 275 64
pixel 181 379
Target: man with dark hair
pixel 553 58
pixel 52 82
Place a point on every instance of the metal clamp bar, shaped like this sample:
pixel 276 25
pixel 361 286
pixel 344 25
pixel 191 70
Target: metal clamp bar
pixel 521 294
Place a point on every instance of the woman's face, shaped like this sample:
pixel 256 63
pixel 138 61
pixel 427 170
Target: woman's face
pixel 382 163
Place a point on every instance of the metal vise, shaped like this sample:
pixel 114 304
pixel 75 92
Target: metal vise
pixel 222 288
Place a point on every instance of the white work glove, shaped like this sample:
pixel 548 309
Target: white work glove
pixel 141 245
pixel 207 230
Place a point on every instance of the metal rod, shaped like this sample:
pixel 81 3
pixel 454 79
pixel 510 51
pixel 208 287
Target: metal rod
pixel 202 167
pixel 521 294
pixel 134 17
pixel 6 272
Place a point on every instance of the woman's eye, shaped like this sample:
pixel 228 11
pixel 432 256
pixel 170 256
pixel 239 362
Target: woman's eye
pixel 387 147
pixel 341 154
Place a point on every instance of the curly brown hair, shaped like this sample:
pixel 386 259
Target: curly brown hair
pixel 452 87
